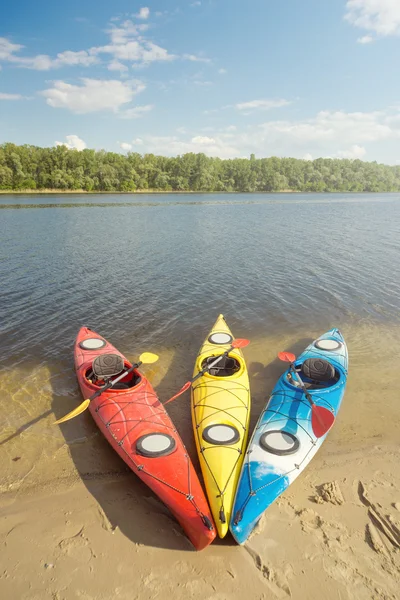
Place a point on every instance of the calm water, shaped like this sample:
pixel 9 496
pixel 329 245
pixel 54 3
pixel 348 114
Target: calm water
pixel 155 270
pixel 152 273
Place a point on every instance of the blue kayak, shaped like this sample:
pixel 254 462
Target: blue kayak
pixel 283 442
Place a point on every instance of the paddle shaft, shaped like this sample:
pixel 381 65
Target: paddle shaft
pixel 298 378
pixel 114 381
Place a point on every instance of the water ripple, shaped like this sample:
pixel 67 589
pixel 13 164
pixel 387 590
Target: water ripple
pixel 151 277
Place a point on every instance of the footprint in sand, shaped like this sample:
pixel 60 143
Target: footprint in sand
pixel 277 580
pixel 76 547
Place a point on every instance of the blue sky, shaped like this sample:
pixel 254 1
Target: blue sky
pixel 302 78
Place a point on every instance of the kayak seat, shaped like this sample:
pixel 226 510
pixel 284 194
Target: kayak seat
pixel 318 373
pixel 131 380
pixel 107 365
pixel 226 367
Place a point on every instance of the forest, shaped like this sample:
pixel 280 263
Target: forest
pixel 29 167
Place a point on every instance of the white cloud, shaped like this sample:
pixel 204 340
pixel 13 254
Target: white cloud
pixel 136 112
pixel 71 58
pixel 143 13
pixel 73 142
pixel 194 58
pixel 222 71
pixel 7 48
pixel 353 152
pixel 116 65
pixel 125 146
pixel 4 96
pixel 262 104
pixel 202 139
pixel 172 146
pixel 126 44
pixel 328 134
pixel 122 33
pixel 93 95
pixel 379 16
pixel 202 82
pixel 196 3
pixel 336 126
pixel 43 62
pixel 365 39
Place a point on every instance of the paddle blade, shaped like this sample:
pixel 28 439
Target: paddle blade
pixel 148 358
pixel 322 420
pixel 74 413
pixel 181 391
pixel 287 357
pixel 240 343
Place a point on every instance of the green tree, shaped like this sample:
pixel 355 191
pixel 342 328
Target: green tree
pixel 27 166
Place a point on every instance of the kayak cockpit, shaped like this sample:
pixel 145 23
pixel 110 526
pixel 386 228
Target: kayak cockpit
pixel 225 367
pixel 107 367
pixel 315 373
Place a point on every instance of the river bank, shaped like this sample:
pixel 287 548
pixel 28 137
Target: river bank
pixel 55 191
pixel 91 530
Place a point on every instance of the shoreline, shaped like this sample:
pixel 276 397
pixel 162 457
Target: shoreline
pixel 54 191
pixel 139 192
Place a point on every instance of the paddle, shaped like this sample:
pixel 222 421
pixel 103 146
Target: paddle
pixel 239 343
pixel 322 419
pixel 147 358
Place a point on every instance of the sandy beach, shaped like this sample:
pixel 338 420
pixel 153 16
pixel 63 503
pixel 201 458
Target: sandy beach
pixel 76 524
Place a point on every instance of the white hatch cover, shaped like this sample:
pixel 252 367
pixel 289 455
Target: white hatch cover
pixel 155 444
pixel 328 345
pixel 221 435
pixel 279 442
pixel 92 344
pixel 220 338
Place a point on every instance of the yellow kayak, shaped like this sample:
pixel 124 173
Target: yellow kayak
pixel 220 415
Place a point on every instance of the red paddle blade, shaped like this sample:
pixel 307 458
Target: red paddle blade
pixel 240 343
pixel 322 420
pixel 181 391
pixel 287 357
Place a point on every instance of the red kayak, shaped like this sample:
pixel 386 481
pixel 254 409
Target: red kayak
pixel 137 426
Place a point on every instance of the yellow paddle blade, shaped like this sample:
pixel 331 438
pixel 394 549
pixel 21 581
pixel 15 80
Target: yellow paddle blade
pixel 74 413
pixel 148 358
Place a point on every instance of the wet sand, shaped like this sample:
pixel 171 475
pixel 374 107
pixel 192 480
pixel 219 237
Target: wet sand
pixel 77 524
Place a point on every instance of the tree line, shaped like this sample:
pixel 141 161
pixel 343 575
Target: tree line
pixel 60 168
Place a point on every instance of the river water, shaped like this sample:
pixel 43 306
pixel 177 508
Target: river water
pixel 151 272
